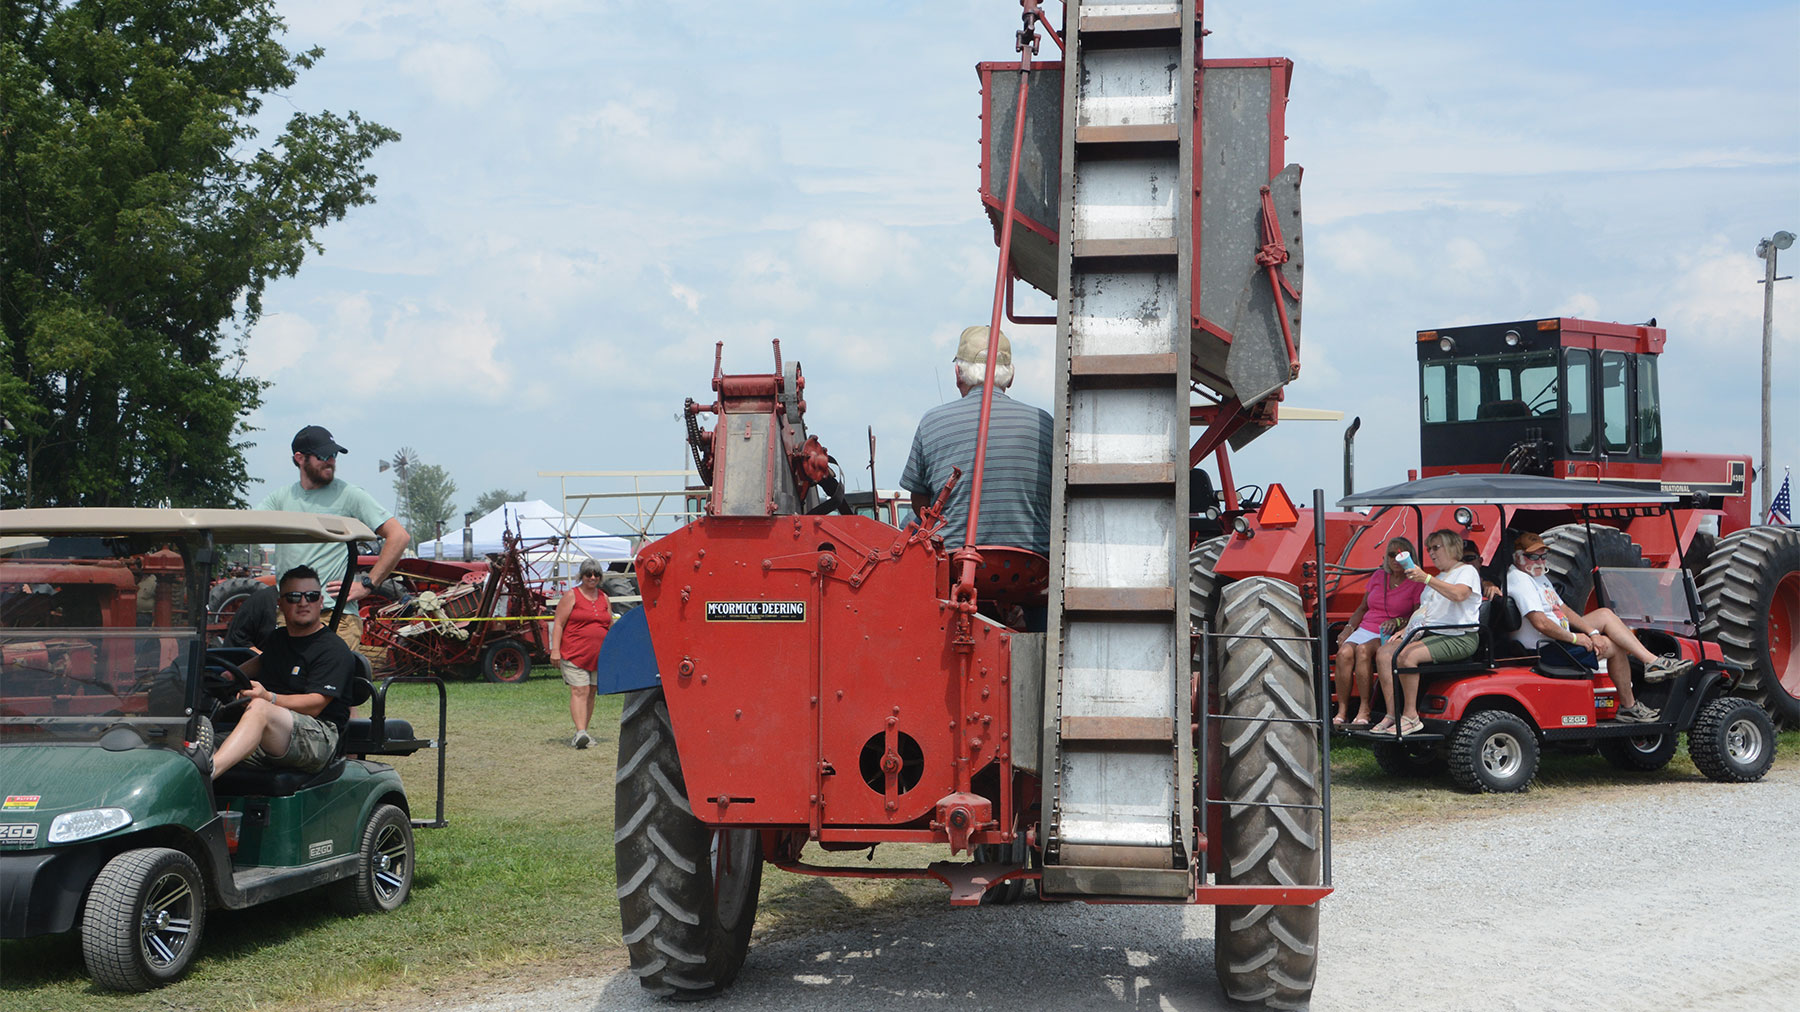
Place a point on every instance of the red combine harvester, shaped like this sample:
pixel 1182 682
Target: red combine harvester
pixel 809 680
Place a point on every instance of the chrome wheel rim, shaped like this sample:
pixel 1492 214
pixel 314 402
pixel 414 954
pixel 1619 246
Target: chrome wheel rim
pixel 167 921
pixel 1501 755
pixel 1743 742
pixel 389 873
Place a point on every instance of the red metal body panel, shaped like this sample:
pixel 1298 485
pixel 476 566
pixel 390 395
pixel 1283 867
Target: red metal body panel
pixel 798 651
pixel 1547 701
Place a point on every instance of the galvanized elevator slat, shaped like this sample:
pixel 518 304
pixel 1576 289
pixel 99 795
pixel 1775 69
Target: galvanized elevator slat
pixel 1120 777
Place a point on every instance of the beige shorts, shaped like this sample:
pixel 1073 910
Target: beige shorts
pixel 312 745
pixel 575 676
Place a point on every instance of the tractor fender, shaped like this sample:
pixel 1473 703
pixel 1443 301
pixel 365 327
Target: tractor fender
pixel 627 662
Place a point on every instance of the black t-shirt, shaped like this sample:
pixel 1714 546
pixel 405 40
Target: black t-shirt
pixel 254 620
pixel 321 662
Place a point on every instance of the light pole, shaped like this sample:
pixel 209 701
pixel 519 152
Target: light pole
pixel 1767 250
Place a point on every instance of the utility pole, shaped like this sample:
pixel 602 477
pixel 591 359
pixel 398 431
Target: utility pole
pixel 1767 250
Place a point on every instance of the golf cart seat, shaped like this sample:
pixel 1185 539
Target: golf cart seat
pixel 359 738
pixel 1505 626
pixel 1480 661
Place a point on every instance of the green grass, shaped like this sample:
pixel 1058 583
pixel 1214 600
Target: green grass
pixel 521 882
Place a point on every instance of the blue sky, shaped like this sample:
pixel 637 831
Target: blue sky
pixel 589 195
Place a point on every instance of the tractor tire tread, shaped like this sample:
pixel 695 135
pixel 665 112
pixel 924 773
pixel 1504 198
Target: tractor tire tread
pixel 1267 955
pixel 1737 590
pixel 678 944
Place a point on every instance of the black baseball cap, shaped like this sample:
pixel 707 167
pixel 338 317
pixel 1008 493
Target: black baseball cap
pixel 316 440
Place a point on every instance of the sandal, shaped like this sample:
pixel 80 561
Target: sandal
pixel 1385 727
pixel 1338 721
pixel 1357 725
pixel 1411 725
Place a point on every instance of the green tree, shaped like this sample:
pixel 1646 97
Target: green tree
pixel 495 498
pixel 140 222
pixel 424 497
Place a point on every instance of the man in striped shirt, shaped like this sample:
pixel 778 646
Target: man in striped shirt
pixel 1015 488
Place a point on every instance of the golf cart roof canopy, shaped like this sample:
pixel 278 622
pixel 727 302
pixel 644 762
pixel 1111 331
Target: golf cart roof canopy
pixel 1505 489
pixel 256 527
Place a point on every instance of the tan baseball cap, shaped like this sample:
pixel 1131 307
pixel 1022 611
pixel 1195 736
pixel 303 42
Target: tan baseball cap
pixel 973 347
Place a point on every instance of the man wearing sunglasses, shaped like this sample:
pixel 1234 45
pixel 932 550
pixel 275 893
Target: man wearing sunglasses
pixel 295 708
pixel 1567 638
pixel 320 490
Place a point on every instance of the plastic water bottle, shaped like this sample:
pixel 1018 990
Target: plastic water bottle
pixel 1405 560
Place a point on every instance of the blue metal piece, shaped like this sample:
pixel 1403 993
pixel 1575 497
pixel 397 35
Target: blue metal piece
pixel 627 663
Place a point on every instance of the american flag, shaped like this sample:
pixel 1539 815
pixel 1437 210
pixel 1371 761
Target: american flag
pixel 1781 511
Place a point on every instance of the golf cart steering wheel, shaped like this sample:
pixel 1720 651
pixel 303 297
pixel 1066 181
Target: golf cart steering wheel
pixel 224 679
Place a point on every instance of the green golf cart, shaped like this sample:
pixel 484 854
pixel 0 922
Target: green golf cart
pixel 110 700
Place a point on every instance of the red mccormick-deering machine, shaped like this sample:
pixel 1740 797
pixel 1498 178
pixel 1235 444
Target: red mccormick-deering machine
pixel 830 682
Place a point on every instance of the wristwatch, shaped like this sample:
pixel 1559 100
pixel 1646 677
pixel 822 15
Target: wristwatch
pixel 363 578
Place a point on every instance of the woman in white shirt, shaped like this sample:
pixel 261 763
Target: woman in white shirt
pixel 1451 598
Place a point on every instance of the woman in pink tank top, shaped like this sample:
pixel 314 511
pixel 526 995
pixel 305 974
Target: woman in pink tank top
pixel 1390 599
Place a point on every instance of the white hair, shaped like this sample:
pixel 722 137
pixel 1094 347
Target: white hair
pixel 970 374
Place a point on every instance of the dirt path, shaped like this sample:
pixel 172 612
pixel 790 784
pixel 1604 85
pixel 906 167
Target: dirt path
pixel 1684 896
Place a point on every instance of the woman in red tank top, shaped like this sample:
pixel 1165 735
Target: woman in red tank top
pixel 582 618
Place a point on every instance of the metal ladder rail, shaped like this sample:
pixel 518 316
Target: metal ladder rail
pixel 1120 819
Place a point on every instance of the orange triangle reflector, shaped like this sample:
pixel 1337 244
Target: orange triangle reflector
pixel 1277 509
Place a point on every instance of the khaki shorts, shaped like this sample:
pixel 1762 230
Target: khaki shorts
pixel 575 676
pixel 1456 647
pixel 312 745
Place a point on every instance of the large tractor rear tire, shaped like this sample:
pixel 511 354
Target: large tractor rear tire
pixel 1203 585
pixel 227 596
pixel 1266 955
pixel 1750 592
pixel 1572 561
pixel 687 891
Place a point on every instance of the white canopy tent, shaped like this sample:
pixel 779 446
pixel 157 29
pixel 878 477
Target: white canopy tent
pixel 533 521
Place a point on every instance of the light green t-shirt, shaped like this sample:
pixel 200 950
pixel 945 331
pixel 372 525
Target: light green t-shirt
pixel 340 498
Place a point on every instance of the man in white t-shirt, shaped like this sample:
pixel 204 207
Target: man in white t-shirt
pixel 1565 637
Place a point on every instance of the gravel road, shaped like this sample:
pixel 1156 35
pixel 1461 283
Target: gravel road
pixel 1678 897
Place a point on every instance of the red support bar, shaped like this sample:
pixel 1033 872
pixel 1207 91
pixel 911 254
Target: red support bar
pixel 1046 321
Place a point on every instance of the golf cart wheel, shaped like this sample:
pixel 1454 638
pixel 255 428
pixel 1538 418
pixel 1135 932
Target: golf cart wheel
pixel 506 661
pixel 1266 955
pixel 1572 560
pixel 1732 741
pixel 1640 753
pixel 384 866
pixel 143 918
pixel 1203 585
pixel 1750 593
pixel 1409 760
pixel 687 891
pixel 1494 752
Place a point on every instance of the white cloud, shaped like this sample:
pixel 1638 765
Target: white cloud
pixel 457 73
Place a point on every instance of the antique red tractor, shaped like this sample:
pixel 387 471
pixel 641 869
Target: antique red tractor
pixel 807 679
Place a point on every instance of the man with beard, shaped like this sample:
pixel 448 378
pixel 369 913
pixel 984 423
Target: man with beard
pixel 319 490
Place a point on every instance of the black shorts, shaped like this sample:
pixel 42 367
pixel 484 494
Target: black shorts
pixel 1567 655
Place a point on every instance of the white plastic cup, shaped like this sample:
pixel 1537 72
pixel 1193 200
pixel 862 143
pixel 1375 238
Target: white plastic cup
pixel 1405 560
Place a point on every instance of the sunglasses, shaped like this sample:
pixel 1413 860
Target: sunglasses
pixel 297 596
pixel 323 458
pixel 1535 556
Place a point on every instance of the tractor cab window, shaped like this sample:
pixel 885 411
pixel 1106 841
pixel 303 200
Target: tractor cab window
pixel 1489 386
pixel 1579 409
pixel 1615 401
pixel 1649 408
